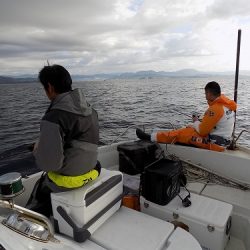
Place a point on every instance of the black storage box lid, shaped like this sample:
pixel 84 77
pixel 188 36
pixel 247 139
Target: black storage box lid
pixel 135 156
pixel 136 146
pixel 165 167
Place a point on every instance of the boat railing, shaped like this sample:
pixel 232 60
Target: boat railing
pixel 123 133
pixel 167 125
pixel 32 214
pixel 170 126
pixel 232 145
pixel 244 130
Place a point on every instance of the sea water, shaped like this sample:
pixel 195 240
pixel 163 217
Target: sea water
pixel 121 104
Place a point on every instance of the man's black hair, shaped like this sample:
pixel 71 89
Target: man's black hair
pixel 57 76
pixel 214 88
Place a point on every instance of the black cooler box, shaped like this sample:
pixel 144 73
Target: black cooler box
pixel 161 181
pixel 135 156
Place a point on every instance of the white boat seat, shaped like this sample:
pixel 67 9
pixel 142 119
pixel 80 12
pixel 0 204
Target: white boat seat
pixel 77 213
pixel 182 240
pixel 129 229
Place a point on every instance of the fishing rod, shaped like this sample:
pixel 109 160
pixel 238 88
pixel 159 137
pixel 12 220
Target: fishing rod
pixel 23 149
pixel 194 114
pixel 11 153
pixel 181 113
pixel 233 141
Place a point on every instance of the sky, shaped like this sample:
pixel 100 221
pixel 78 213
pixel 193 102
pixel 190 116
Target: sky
pixel 110 36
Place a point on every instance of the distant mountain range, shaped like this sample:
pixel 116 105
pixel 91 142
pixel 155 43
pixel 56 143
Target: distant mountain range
pixel 17 79
pixel 154 74
pixel 127 75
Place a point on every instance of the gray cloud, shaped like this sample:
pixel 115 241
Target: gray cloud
pixel 225 9
pixel 94 36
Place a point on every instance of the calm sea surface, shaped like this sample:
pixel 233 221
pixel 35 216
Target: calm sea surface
pixel 157 102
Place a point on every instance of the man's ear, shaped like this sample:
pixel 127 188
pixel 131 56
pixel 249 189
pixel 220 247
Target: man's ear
pixel 51 91
pixel 51 88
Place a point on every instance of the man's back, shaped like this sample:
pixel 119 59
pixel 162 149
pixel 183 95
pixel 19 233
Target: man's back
pixel 218 118
pixel 70 128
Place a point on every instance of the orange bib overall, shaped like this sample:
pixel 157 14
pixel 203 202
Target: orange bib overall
pixel 186 136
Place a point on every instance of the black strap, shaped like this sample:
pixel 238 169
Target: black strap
pixel 219 140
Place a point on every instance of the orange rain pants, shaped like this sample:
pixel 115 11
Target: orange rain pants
pixel 186 136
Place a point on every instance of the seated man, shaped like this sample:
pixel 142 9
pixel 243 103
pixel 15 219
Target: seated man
pixel 68 142
pixel 213 132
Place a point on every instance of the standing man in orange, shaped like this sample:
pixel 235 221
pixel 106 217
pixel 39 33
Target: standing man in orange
pixel 213 132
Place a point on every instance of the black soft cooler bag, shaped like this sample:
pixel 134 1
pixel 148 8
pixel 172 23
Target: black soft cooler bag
pixel 135 156
pixel 161 181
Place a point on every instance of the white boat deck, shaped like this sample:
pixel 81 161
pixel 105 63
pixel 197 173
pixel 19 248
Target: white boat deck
pixel 109 158
pixel 238 198
pixel 235 244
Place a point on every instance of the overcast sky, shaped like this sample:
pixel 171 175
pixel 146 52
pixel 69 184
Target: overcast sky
pixel 104 36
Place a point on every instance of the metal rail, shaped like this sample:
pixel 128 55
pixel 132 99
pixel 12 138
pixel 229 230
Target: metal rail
pixel 137 126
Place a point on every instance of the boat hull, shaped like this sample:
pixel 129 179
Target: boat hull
pixel 231 164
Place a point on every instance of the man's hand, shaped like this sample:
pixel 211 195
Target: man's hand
pixel 35 146
pixel 32 147
pixel 190 125
pixel 195 116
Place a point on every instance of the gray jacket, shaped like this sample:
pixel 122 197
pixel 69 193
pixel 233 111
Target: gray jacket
pixel 69 135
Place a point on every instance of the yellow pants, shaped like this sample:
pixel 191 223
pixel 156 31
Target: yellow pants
pixel 72 181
